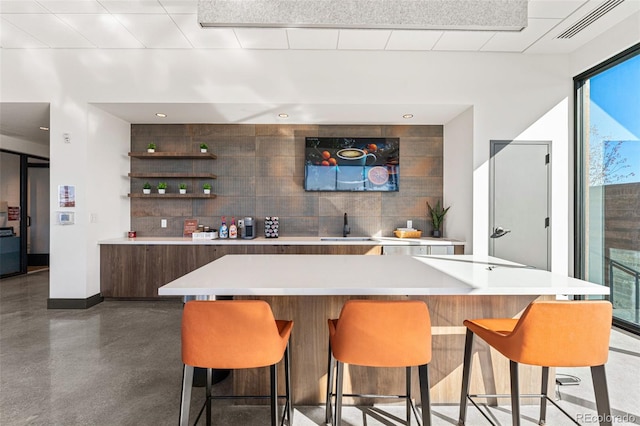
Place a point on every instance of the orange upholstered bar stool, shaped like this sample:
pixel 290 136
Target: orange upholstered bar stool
pixel 375 333
pixel 548 334
pixel 233 334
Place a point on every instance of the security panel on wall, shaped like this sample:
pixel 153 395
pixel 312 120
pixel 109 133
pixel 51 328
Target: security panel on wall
pixel 65 218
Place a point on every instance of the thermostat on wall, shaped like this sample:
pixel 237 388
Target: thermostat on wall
pixel 66 218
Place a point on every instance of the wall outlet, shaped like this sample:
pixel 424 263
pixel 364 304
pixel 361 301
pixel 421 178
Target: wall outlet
pixel 94 218
pixel 240 223
pixel 410 224
pixel 163 223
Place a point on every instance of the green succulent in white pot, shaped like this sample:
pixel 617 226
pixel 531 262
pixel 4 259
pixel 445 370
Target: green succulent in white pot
pixel 162 187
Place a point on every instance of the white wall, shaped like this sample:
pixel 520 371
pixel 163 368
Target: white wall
pixel 108 185
pixel 509 93
pixel 458 178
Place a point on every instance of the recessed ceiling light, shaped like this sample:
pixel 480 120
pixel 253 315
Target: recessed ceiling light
pixel 161 115
pixel 46 129
pixel 283 115
pixel 407 116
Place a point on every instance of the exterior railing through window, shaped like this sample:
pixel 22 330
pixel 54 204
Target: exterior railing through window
pixel 635 275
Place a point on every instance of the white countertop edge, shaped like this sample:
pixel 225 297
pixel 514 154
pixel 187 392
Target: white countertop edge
pixel 504 291
pixel 375 241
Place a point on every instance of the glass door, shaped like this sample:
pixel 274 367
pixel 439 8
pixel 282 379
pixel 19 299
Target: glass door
pixel 608 182
pixel 11 257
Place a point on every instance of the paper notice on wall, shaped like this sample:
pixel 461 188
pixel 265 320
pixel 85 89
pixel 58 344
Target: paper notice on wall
pixel 13 213
pixel 66 195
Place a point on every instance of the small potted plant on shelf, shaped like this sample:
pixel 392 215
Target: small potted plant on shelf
pixel 203 147
pixel 162 187
pixel 151 147
pixel 436 214
pixel 146 188
pixel 183 188
pixel 206 188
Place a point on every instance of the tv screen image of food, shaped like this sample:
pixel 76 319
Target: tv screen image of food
pixel 352 164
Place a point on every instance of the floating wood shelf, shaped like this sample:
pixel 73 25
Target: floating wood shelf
pixel 174 155
pixel 174 175
pixel 172 195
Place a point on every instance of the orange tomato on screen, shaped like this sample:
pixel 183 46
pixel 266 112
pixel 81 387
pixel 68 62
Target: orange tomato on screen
pixel 332 161
pixel 372 147
pixel 326 155
pixel 325 163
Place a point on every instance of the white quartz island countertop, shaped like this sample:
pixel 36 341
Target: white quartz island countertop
pixel 365 241
pixel 327 275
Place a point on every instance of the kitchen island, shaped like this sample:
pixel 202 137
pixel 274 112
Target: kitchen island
pixel 311 289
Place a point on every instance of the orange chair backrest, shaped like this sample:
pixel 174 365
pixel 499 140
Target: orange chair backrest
pixel 382 333
pixel 230 334
pixel 562 334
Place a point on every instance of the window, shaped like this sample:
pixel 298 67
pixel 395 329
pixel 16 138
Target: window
pixel 608 182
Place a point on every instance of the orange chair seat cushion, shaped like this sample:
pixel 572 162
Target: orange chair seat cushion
pixel 551 333
pixel 231 334
pixel 382 333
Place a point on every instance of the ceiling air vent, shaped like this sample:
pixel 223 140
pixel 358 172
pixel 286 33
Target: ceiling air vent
pixel 589 19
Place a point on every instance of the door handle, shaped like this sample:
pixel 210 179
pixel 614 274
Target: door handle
pixel 499 232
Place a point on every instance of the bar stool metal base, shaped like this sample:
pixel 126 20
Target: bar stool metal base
pixel 597 374
pixel 185 401
pixel 333 416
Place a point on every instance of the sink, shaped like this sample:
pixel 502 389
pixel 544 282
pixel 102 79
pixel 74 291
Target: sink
pixel 346 239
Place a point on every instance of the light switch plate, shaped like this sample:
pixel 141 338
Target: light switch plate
pixel 410 224
pixel 163 223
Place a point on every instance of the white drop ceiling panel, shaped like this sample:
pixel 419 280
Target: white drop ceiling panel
pixel 262 38
pixel 553 8
pixel 103 30
pixel 212 38
pixel 84 6
pixel 514 42
pixel 463 40
pixel 154 31
pixel 363 39
pixel 12 37
pixel 307 38
pixel 180 6
pixel 413 40
pixel 49 30
pixel 133 6
pixel 23 6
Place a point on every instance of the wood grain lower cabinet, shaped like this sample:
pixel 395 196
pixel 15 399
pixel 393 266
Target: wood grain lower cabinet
pixel 137 271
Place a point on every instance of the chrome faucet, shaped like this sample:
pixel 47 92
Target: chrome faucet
pixel 345 229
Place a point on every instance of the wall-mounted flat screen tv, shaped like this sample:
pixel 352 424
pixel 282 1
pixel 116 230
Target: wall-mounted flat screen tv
pixel 352 164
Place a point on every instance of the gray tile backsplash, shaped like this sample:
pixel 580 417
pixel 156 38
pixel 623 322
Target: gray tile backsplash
pixel 260 171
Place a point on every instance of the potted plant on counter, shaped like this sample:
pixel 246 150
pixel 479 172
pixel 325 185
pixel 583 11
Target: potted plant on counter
pixel 162 187
pixel 151 147
pixel 206 188
pixel 183 188
pixel 436 215
pixel 203 147
pixel 146 188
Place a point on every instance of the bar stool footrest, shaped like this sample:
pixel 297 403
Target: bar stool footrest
pixel 541 396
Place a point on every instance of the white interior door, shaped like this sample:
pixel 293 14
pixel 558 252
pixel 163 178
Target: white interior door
pixel 520 202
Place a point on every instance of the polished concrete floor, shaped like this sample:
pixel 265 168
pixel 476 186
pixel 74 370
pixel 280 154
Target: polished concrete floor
pixel 118 363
